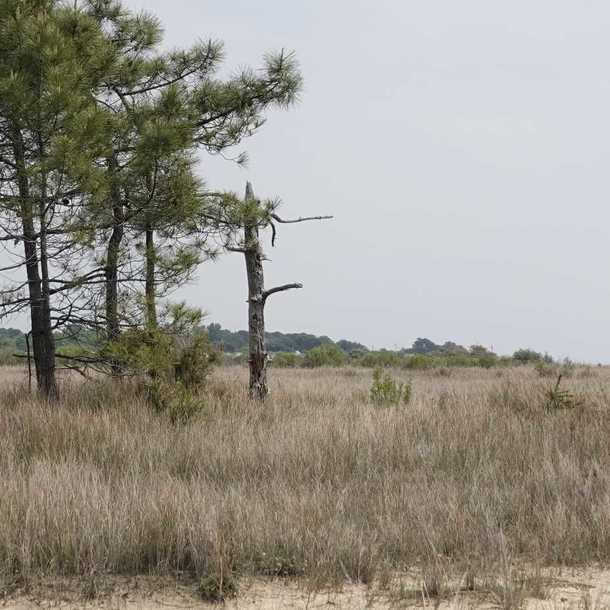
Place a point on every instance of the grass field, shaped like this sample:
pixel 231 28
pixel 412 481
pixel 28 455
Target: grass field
pixel 486 478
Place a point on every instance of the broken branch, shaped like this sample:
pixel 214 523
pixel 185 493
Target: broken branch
pixel 268 293
pixel 299 219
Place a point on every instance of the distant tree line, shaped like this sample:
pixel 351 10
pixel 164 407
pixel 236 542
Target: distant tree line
pixel 237 341
pixel 298 349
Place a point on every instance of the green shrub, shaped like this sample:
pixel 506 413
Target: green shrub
pixel 487 361
pixel 324 355
pixel 527 356
pixel 381 358
pixel 195 361
pixel 387 391
pixel 419 361
pixel 143 352
pixel 455 360
pixel 286 360
pixel 174 400
pixel 217 589
pixel 558 399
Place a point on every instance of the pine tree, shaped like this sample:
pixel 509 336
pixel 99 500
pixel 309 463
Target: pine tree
pixel 51 60
pixel 99 132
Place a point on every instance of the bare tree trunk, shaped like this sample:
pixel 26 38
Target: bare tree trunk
pixel 43 342
pixel 149 291
pixel 257 216
pixel 256 308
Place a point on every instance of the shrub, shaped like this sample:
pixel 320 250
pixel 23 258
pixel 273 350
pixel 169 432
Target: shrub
pixel 487 361
pixel 194 362
pixel 144 352
pixel 217 589
pixel 527 356
pixel 324 355
pixel 286 360
pixel 558 399
pixel 381 358
pixel 174 400
pixel 387 391
pixel 455 360
pixel 419 361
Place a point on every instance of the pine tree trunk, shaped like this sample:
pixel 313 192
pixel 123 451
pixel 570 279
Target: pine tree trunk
pixel 48 381
pixel 43 342
pixel 150 297
pixel 256 309
pixel 112 259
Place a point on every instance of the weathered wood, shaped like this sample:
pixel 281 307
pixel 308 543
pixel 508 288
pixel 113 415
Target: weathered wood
pixel 257 295
pixel 256 307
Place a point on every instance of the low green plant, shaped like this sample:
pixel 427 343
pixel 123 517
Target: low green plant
pixel 218 589
pixel 527 356
pixel 286 360
pixel 557 398
pixel 382 358
pixel 387 391
pixel 194 362
pixel 487 361
pixel 324 355
pixel 175 400
pixel 419 361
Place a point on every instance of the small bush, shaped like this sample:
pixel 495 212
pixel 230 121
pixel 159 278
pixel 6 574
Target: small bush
pixel 558 399
pixel 487 361
pixel 195 361
pixel 286 360
pixel 382 358
pixel 419 361
pixel 217 589
pixel 174 400
pixel 456 360
pixel 527 356
pixel 324 355
pixel 281 563
pixel 387 391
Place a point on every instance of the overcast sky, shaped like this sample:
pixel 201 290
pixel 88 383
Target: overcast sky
pixel 462 146
pixel 464 150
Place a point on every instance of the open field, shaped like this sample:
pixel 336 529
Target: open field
pixel 479 483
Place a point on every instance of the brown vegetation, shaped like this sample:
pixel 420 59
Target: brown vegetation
pixel 475 473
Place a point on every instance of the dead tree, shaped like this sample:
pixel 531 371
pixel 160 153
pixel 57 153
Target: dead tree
pixel 255 218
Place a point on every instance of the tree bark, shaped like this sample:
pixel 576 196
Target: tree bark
pixel 112 257
pixel 43 342
pixel 256 308
pixel 149 290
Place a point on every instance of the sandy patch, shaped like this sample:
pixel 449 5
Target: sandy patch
pixel 566 590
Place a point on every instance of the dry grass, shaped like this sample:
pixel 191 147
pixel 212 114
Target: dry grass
pixel 475 474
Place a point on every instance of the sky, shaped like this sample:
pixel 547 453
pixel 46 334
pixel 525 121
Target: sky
pixel 463 149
